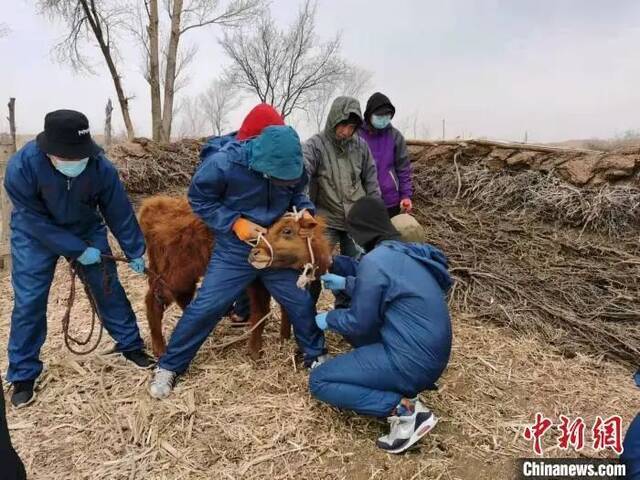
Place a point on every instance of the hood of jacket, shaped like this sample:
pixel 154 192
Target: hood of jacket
pixel 341 109
pixel 431 257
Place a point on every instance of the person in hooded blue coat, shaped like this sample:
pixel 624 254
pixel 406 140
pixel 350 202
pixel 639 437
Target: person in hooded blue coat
pixel 239 191
pixel 261 116
pixel 398 323
pixel 63 190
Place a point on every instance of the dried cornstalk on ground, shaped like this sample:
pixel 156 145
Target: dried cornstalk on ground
pixel 231 418
pixel 524 251
pixel 148 167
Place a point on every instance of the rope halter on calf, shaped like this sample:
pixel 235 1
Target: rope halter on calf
pixel 308 274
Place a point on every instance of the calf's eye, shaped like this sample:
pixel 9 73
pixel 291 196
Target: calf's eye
pixel 287 231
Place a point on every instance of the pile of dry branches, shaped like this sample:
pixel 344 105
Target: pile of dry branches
pixel 613 210
pixel 575 280
pixel 147 167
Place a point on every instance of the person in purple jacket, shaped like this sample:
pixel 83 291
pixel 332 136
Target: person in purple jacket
pixel 389 151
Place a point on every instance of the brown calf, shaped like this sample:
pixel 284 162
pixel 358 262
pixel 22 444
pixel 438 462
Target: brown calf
pixel 179 247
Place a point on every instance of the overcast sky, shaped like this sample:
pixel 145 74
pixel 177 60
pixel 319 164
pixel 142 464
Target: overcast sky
pixel 557 69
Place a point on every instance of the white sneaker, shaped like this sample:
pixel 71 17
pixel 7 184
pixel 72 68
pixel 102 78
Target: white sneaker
pixel 162 383
pixel 407 430
pixel 319 361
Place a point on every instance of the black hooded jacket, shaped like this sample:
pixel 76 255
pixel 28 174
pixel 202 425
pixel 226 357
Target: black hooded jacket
pixel 368 223
pixel 376 101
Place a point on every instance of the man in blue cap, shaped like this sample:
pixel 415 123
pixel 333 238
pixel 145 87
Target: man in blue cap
pixel 240 190
pixel 63 191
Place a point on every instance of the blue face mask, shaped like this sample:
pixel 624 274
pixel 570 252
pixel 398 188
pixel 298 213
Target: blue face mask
pixel 70 168
pixel 380 121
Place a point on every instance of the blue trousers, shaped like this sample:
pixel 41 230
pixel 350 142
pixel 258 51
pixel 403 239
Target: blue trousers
pixel 228 274
pixel 242 306
pixel 31 276
pixel 362 380
pixel 631 455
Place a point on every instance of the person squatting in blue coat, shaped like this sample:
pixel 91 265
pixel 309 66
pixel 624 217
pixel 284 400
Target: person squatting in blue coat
pixel 398 323
pixel 238 191
pixel 63 190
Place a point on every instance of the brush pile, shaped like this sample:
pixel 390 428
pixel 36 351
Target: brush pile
pixel 538 254
pixel 147 167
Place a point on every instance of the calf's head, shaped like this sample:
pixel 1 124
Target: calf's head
pixel 286 245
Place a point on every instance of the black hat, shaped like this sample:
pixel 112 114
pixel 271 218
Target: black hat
pixel 66 134
pixel 368 223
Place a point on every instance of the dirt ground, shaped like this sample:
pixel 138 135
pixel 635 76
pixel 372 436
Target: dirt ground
pixel 232 418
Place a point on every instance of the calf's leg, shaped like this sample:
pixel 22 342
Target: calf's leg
pixel 259 300
pixel 155 310
pixel 285 325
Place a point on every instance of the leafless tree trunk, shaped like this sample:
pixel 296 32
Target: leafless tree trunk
pixel 166 57
pixel 107 124
pixel 12 123
pixel 284 68
pixel 154 68
pixel 86 20
pixel 175 14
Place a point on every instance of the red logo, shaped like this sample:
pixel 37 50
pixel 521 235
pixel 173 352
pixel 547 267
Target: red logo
pixel 536 432
pixel 572 434
pixel 606 433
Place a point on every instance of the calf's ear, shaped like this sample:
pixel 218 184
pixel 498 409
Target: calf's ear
pixel 308 222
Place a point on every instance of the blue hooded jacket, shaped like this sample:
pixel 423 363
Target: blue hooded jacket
pixel 214 144
pixel 64 213
pixel 631 455
pixel 224 188
pixel 398 299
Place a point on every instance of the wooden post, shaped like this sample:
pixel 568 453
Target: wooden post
pixel 107 124
pixel 6 150
pixel 443 129
pixel 12 123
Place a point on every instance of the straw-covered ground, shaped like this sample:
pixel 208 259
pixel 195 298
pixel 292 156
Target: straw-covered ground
pixel 545 312
pixel 231 418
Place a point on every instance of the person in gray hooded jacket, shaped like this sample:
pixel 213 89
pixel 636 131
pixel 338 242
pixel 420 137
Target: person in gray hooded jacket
pixel 341 170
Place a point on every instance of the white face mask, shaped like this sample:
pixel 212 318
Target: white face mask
pixel 70 168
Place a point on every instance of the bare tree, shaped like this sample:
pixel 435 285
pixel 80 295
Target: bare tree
pixel 89 20
pixel 161 31
pixel 284 68
pixel 352 83
pixel 4 30
pixel 193 122
pixel 412 126
pixel 217 102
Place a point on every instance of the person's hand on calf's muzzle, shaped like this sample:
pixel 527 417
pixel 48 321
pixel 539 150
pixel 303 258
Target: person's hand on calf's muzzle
pixel 246 230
